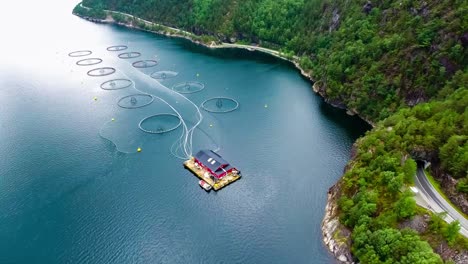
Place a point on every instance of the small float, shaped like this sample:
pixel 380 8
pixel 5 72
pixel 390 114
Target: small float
pixel 212 170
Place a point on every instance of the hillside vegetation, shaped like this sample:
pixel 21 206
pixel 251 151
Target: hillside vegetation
pixel 374 196
pixel 371 58
pixel 400 64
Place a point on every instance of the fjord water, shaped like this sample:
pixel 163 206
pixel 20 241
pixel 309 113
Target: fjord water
pixel 68 196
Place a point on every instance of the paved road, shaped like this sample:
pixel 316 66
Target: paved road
pixel 428 197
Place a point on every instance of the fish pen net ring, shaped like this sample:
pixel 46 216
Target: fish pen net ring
pixel 80 53
pixel 129 55
pixel 134 101
pixel 116 84
pixel 160 123
pixel 98 72
pixel 117 48
pixel 220 105
pixel 188 87
pixel 162 75
pixel 89 62
pixel 144 64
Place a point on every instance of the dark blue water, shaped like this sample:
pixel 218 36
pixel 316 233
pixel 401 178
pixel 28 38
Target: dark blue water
pixel 68 196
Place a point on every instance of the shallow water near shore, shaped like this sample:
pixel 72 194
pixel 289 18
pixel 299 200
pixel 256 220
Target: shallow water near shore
pixel 68 195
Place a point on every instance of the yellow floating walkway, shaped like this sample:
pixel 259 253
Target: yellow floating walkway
pixel 204 175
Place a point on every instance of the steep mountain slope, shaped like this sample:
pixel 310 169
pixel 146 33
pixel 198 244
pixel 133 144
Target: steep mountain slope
pixel 372 57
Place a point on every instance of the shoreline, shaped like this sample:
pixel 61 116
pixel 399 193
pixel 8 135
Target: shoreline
pixel 179 33
pixel 335 236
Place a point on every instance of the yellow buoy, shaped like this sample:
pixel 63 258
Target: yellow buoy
pixel 95 98
pixel 113 119
pixel 139 149
pixel 266 105
pixel 211 125
pixel 198 75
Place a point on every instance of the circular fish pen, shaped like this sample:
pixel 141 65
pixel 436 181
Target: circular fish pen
pixel 116 84
pixel 188 87
pixel 129 55
pixel 220 105
pixel 144 64
pixel 80 53
pixel 89 62
pixel 163 75
pixel 160 123
pixel 98 72
pixel 117 48
pixel 134 101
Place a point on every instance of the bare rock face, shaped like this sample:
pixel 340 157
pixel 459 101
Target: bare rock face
pixel 255 40
pixel 423 10
pixel 448 253
pixel 336 236
pixel 241 36
pixel 422 154
pixel 418 223
pixel 449 187
pixel 367 8
pixel 320 88
pixel 335 21
pixel 464 39
pixel 197 30
pixel 221 37
pixel 461 258
pixel 449 66
pixel 415 97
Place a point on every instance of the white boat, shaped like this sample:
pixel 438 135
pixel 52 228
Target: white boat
pixel 204 185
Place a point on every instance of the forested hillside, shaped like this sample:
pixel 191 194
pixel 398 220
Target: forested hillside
pixel 371 57
pixel 374 199
pixel 400 64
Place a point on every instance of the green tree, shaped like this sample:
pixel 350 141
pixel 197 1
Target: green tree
pixel 451 231
pixel 409 170
pixel 454 155
pixel 462 185
pixel 406 206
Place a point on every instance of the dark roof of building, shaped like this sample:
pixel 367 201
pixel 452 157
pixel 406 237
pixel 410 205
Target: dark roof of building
pixel 211 159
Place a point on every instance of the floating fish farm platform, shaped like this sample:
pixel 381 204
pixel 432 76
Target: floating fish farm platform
pixel 212 169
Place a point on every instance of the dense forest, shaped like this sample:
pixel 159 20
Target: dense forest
pixel 372 58
pixel 400 64
pixel 375 199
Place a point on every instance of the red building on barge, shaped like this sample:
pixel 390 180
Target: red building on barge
pixel 213 163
